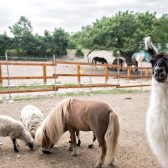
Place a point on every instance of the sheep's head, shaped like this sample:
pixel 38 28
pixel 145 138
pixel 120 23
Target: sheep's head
pixel 30 145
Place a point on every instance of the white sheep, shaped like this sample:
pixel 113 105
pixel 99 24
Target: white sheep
pixel 31 118
pixel 15 130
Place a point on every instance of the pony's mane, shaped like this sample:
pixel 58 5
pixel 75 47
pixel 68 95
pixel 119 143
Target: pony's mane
pixel 54 124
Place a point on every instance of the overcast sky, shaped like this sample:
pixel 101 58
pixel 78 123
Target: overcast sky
pixel 71 15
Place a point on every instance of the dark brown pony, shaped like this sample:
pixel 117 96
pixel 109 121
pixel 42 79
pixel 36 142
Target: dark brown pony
pixel 99 59
pixel 118 61
pixel 74 114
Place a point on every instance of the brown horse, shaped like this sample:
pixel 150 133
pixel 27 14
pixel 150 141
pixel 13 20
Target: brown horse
pixel 118 61
pixel 75 114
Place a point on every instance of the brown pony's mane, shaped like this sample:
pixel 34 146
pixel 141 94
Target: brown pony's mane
pixel 53 123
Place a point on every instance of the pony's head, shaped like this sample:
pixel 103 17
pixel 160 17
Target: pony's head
pixel 49 132
pixel 42 139
pixel 160 67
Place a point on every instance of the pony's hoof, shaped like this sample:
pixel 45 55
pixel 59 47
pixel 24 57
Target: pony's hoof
pixel 74 154
pixel 79 142
pixel 98 165
pixel 90 146
pixel 46 152
pixel 16 150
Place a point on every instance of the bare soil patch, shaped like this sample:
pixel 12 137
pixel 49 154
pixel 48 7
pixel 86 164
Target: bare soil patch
pixel 133 150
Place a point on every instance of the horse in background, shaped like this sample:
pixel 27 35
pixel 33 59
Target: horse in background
pixel 74 114
pixel 99 59
pixel 118 61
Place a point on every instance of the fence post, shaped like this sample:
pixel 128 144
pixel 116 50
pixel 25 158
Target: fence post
pixel 147 74
pixel 78 73
pixel 106 73
pixel 128 72
pixel 0 74
pixel 44 74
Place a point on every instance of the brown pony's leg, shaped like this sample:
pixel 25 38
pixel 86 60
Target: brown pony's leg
pixel 103 154
pixel 102 143
pixel 73 142
pixel 79 141
pixel 91 145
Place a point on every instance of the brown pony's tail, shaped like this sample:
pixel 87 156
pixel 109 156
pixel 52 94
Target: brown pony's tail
pixel 111 138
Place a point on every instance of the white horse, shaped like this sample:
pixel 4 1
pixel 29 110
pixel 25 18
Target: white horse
pixel 157 114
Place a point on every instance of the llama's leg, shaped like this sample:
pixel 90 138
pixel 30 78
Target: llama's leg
pixel 91 145
pixel 15 145
pixel 73 142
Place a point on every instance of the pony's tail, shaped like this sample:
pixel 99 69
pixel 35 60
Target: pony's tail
pixel 111 138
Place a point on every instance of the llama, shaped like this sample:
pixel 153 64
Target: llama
pixel 15 130
pixel 157 114
pixel 31 118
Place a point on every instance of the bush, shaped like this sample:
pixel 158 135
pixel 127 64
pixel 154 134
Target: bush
pixel 79 53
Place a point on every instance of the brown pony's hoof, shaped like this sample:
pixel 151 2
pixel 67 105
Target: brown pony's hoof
pixel 98 165
pixel 79 142
pixel 90 146
pixel 74 154
pixel 46 152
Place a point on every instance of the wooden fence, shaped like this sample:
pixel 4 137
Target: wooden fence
pixel 128 75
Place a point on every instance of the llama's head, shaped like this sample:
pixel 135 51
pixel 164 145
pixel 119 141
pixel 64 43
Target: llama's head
pixel 160 67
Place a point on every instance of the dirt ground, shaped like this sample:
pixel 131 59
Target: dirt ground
pixel 133 150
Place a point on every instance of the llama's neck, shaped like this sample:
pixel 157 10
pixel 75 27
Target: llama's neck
pixel 159 94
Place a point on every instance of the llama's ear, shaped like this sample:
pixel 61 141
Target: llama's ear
pixel 165 55
pixel 156 57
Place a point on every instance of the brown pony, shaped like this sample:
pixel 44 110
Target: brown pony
pixel 75 114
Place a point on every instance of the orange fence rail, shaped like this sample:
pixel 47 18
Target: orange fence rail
pixel 78 74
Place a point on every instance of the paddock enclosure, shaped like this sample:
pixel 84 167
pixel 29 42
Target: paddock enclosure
pixel 133 150
pixel 65 75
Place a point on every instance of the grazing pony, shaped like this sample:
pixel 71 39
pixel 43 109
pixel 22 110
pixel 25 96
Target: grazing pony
pixel 75 114
pixel 118 61
pixel 157 114
pixel 15 130
pixel 31 118
pixel 99 59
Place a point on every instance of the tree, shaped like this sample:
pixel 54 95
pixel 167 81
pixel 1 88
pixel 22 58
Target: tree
pixel 123 32
pixel 5 43
pixel 59 42
pixel 22 31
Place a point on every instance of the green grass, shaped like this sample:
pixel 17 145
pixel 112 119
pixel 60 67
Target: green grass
pixel 79 93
